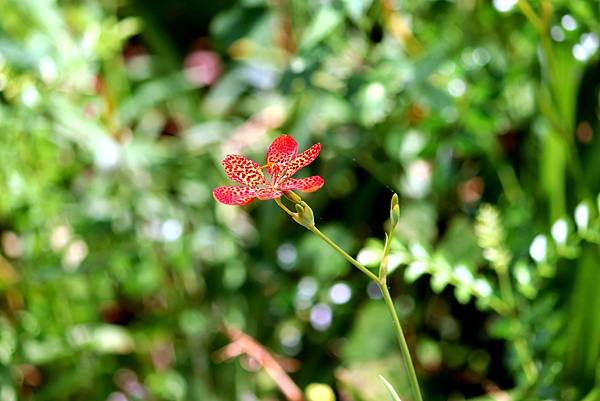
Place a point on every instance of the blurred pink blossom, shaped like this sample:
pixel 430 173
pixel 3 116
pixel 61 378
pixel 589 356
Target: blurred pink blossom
pixel 202 67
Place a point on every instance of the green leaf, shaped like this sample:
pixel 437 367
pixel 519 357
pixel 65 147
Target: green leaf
pixel 583 347
pixel 390 388
pixel 593 395
pixel 356 8
pixel 326 20
pixel 415 270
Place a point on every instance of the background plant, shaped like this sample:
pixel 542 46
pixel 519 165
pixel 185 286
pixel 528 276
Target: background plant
pixel 117 270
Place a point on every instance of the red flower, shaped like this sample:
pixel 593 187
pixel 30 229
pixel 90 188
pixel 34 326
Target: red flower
pixel 282 163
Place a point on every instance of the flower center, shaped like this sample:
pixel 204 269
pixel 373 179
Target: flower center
pixel 277 173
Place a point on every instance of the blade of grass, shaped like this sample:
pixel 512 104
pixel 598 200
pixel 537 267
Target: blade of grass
pixel 390 389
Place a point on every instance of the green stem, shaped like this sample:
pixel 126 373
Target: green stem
pixel 284 207
pixel 382 283
pixel 406 358
pixel 531 371
pixel 349 258
pixel 530 14
pixel 552 76
pixel 506 287
pixel 332 244
pixel 523 354
pixel 385 258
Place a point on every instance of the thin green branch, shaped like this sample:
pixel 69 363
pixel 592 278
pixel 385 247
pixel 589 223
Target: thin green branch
pixel 531 15
pixel 381 281
pixel 349 258
pixel 383 266
pixel 284 207
pixel 525 357
pixel 414 383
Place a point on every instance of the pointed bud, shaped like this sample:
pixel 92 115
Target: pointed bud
pixel 304 215
pixel 292 196
pixel 394 210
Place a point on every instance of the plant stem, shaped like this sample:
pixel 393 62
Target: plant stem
pixel 406 358
pixel 332 244
pixel 506 287
pixel 349 258
pixel 382 284
pixel 521 348
pixel 530 14
pixel 284 207
pixel 531 371
pixel 383 271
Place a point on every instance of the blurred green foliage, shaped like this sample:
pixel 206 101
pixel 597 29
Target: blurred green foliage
pixel 118 270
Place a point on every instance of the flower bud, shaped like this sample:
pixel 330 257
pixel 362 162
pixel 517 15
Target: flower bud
pixel 292 196
pixel 394 210
pixel 304 215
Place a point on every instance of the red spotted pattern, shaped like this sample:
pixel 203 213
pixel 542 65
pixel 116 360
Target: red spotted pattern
pixel 268 193
pixel 309 184
pixel 234 195
pixel 282 149
pixel 280 153
pixel 282 162
pixel 303 159
pixel 243 170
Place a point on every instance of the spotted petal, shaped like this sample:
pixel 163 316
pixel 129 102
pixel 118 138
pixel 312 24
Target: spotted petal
pixel 243 170
pixel 268 193
pixel 309 184
pixel 234 195
pixel 303 159
pixel 282 150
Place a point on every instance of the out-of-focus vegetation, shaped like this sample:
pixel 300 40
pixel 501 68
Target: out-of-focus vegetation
pixel 119 272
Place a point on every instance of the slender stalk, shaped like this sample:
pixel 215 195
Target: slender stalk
pixel 349 258
pixel 506 287
pixel 382 284
pixel 525 358
pixel 531 371
pixel 553 76
pixel 412 375
pixel 332 244
pixel 284 207
pixel 530 14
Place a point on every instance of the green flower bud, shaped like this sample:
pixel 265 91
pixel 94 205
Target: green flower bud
pixel 394 210
pixel 304 215
pixel 292 196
